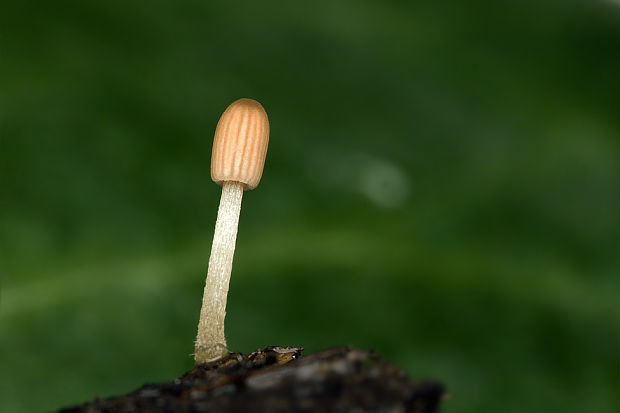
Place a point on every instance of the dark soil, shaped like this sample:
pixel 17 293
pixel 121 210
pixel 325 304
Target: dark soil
pixel 280 379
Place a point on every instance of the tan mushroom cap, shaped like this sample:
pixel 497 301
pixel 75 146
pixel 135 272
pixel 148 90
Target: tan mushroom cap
pixel 240 144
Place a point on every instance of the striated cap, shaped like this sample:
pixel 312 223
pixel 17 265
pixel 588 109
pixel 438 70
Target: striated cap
pixel 240 144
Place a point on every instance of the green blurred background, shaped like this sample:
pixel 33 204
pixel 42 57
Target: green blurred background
pixel 442 186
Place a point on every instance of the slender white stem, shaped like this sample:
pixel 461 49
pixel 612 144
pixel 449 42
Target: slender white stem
pixel 211 342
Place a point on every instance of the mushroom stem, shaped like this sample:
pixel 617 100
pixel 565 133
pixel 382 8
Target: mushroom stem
pixel 211 342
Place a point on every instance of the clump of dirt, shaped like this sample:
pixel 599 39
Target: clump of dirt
pixel 280 379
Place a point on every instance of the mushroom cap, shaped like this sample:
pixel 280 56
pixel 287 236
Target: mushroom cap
pixel 240 144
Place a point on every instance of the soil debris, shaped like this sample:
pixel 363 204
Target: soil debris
pixel 281 379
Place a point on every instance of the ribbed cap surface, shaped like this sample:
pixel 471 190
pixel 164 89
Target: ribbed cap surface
pixel 240 144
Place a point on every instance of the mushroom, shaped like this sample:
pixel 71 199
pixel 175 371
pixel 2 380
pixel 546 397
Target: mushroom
pixel 237 160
